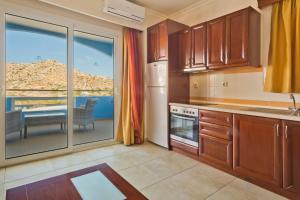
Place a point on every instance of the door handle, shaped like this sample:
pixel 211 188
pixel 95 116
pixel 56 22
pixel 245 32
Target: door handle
pixel 2 92
pixel 184 118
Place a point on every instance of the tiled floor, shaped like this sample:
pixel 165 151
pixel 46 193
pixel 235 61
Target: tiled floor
pixel 156 172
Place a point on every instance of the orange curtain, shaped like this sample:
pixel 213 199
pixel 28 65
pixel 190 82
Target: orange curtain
pixel 131 125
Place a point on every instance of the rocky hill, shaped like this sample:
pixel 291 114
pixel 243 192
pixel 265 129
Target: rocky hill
pixel 52 75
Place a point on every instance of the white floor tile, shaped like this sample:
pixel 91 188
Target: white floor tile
pixel 155 171
pixel 242 190
pixel 27 170
pixel 2 175
pixel 2 192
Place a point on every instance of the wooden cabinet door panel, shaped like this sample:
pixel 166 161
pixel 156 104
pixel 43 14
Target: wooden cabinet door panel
pixel 237 30
pixel 222 132
pixel 215 150
pixel 199 45
pixel 184 49
pixel 162 41
pixel 257 149
pixel 216 31
pixel 151 44
pixel 291 156
pixel 214 117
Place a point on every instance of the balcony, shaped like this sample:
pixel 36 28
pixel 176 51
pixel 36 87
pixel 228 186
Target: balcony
pixel 43 123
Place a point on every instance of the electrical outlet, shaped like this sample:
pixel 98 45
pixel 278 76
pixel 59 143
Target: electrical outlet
pixel 225 84
pixel 195 85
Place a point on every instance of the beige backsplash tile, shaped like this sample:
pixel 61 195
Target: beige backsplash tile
pixel 246 86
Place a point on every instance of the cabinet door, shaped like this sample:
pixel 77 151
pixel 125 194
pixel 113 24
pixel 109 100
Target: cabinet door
pixel 184 48
pixel 152 43
pixel 216 43
pixel 291 156
pixel 256 149
pixel 237 30
pixel 216 151
pixel 199 46
pixel 162 41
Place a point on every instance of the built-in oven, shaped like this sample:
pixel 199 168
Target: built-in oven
pixel 184 125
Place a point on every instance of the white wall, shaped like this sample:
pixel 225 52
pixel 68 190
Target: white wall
pixel 240 85
pixel 94 8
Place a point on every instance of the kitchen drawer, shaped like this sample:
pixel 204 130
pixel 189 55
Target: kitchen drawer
pixel 222 132
pixel 214 117
pixel 184 147
pixel 216 151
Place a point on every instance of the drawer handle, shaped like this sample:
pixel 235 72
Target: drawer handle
pixel 228 119
pixel 276 126
pixel 286 131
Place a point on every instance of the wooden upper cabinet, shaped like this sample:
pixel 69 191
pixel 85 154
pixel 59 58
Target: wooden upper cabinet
pixel 257 149
pixel 157 39
pixel 151 43
pixel 199 45
pixel 237 27
pixel 291 156
pixel 162 41
pixel 184 49
pixel 243 38
pixel 216 30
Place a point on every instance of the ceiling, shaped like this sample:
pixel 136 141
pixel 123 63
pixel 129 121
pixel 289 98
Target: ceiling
pixel 166 7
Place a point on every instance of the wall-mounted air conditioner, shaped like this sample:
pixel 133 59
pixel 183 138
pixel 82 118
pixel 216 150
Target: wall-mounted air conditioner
pixel 125 9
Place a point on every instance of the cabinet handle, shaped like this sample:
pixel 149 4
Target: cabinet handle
pixel 277 129
pixel 228 119
pixel 286 131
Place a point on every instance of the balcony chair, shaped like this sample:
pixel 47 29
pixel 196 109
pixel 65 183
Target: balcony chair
pixel 83 116
pixel 13 122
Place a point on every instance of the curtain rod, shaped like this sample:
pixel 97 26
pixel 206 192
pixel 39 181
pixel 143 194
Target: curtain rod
pixel 264 3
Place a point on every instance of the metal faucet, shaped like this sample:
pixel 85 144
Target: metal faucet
pixel 294 109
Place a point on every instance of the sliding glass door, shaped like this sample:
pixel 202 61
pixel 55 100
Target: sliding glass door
pixel 59 87
pixel 93 112
pixel 36 87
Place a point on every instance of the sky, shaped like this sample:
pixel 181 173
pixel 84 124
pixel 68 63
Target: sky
pixel 27 47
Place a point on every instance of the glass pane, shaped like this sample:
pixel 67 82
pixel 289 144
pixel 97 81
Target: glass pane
pixel 93 112
pixel 182 128
pixel 36 87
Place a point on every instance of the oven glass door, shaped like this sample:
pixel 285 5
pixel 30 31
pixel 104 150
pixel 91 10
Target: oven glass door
pixel 185 127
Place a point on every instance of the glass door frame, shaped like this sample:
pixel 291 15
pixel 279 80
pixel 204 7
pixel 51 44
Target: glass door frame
pixel 72 25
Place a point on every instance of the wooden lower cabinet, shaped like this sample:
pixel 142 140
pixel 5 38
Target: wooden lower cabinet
pixel 264 151
pixel 291 157
pixel 216 151
pixel 257 149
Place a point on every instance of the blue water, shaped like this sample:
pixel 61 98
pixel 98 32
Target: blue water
pixel 104 108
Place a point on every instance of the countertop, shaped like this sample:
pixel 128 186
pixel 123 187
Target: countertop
pixel 284 114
